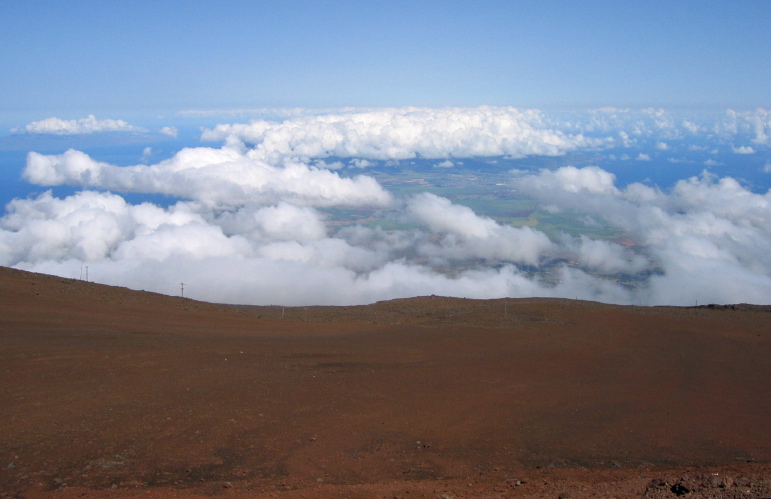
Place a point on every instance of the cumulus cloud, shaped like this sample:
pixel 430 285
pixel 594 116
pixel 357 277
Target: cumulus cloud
pixel 589 180
pixel 471 236
pixel 170 131
pixel 94 226
pixel 360 163
pixel 661 128
pixel 754 124
pixel 214 177
pixel 84 125
pixel 607 257
pixel 743 150
pixel 405 133
pixel 713 229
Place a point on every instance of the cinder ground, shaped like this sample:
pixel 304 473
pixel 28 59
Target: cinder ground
pixel 107 392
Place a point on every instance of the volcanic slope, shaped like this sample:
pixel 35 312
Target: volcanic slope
pixel 109 392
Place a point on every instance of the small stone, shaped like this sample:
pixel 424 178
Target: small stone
pixel 679 489
pixel 657 483
pixel 319 480
pixel 227 485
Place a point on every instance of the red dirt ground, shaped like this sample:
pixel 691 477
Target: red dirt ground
pixel 108 392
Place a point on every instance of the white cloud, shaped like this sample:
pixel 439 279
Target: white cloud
pixel 85 125
pixel 608 257
pixel 360 163
pixel 712 229
pixel 444 164
pixel 743 150
pixel 755 125
pixel 92 226
pixel 170 131
pixel 643 157
pixel 591 180
pixel 282 222
pixel 335 165
pixel 471 236
pixel 214 177
pixel 405 133
pixel 691 127
pixel 273 254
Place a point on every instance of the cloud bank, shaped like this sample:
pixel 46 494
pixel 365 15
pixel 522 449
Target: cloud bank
pixel 708 236
pixel 394 134
pixel 253 220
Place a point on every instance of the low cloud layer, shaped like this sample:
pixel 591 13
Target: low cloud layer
pixel 708 236
pixel 282 254
pixel 741 130
pixel 254 222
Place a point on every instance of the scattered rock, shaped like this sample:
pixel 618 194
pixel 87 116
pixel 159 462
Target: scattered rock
pixel 657 483
pixel 715 481
pixel 680 489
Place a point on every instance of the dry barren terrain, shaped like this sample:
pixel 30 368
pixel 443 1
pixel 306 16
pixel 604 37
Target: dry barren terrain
pixel 108 392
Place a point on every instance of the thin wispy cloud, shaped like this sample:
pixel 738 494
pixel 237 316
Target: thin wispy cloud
pixel 89 124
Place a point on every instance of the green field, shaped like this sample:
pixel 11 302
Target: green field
pixel 485 190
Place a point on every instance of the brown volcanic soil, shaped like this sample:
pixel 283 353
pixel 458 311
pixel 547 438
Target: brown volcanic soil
pixel 107 392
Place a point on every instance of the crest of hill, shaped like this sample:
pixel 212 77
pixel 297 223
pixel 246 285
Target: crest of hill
pixel 39 299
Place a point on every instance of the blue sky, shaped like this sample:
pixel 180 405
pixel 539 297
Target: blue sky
pixel 141 58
